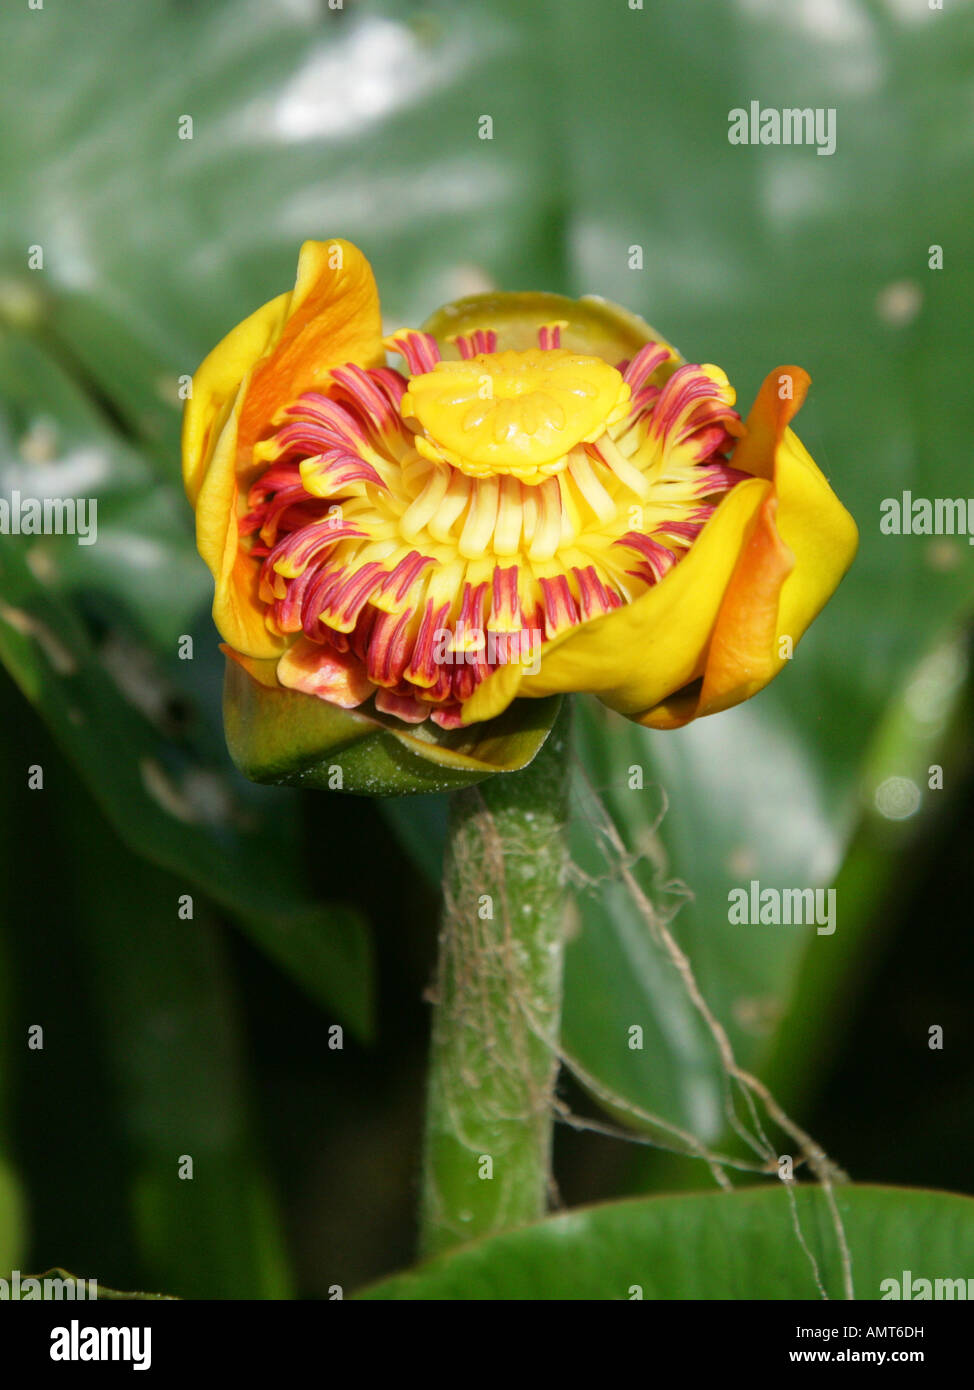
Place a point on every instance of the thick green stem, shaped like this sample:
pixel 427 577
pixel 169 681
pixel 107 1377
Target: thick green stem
pixel 497 1008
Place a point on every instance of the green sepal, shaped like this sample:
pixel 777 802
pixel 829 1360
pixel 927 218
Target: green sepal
pixel 595 326
pixel 289 738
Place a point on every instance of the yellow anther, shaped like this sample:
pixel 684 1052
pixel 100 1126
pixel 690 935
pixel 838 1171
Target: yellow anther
pixel 516 413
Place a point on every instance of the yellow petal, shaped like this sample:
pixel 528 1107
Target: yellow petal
pixel 288 346
pixel 818 531
pixel 238 612
pixel 263 672
pixel 217 381
pixel 801 547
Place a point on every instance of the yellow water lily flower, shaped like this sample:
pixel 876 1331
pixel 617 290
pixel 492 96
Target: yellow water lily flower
pixel 543 497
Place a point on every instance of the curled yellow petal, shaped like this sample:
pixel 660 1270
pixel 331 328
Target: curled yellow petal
pixel 217 382
pixel 238 613
pixel 802 545
pixel 287 346
pixel 333 317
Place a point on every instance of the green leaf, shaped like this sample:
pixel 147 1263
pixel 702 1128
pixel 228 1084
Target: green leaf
pixel 778 274
pixel 206 1223
pixel 420 824
pixel 926 725
pixel 734 1246
pixel 106 693
pixel 12 1219
pixel 56 443
pixel 103 1292
pixel 12 1213
pixel 362 122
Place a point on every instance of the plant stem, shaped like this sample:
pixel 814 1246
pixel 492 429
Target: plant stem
pixel 497 1011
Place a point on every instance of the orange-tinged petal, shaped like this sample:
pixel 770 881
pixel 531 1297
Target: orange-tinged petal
pixel 801 547
pixel 769 418
pixel 289 344
pixel 338 677
pixel 333 317
pixel 744 651
pixel 286 347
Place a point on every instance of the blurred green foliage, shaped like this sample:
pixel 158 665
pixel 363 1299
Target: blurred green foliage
pixel 609 132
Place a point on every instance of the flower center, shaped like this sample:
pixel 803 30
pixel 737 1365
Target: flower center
pixel 517 413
